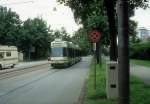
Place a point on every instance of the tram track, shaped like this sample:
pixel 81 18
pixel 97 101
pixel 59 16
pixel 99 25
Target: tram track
pixel 45 72
pixel 21 71
pixel 50 72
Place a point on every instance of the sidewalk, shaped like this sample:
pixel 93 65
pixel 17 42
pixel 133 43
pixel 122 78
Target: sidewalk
pixel 141 71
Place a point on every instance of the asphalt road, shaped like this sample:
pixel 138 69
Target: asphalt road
pixel 46 86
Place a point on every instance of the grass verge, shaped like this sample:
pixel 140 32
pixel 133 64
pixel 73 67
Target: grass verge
pixel 100 96
pixel 141 62
pixel 139 92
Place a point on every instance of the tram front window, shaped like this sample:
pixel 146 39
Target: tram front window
pixel 57 52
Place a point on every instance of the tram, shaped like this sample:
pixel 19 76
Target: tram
pixel 64 53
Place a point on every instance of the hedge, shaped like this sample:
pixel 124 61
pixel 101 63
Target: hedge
pixel 140 51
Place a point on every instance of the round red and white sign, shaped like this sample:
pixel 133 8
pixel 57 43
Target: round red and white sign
pixel 95 36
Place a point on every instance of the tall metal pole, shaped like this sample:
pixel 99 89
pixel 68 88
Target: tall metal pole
pixel 95 71
pixel 123 51
pixel 94 49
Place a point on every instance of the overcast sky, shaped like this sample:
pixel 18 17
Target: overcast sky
pixel 143 17
pixel 54 13
pixel 58 15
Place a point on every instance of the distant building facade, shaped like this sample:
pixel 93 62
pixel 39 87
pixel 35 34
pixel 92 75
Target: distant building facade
pixel 143 33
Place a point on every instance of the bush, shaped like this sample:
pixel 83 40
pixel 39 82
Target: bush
pixel 140 51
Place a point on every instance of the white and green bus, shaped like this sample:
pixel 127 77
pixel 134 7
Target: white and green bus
pixel 64 53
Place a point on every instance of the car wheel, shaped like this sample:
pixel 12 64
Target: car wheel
pixel 12 66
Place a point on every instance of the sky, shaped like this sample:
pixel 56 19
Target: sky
pixel 58 15
pixel 53 13
pixel 142 17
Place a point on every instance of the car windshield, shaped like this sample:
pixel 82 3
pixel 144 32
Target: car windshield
pixel 57 52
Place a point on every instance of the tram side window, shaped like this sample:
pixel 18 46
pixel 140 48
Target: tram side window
pixel 69 52
pixel 65 52
pixel 1 55
pixel 77 53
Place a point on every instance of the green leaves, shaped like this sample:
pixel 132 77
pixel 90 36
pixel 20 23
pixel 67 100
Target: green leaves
pixel 35 33
pixel 32 33
pixel 9 25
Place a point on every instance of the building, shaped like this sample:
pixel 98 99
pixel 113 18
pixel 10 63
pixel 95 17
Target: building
pixel 143 33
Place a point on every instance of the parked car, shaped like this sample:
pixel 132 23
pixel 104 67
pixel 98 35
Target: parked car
pixel 8 56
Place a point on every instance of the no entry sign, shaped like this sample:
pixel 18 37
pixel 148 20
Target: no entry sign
pixel 95 36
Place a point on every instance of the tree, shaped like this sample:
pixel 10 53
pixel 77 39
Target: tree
pixel 132 32
pixel 9 26
pixel 111 13
pixel 35 36
pixel 61 34
pixel 80 38
pixel 83 10
pixel 92 15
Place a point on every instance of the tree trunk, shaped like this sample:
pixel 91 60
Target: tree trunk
pixel 110 7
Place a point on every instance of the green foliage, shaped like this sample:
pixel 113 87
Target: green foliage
pixel 91 14
pixel 132 32
pixel 61 34
pixel 81 38
pixel 139 92
pixel 105 51
pixel 32 34
pixel 132 27
pixel 35 33
pixel 100 96
pixel 140 51
pixel 141 62
pixel 9 26
pixel 101 14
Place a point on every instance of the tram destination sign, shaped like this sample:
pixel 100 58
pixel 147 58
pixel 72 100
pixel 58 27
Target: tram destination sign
pixel 95 36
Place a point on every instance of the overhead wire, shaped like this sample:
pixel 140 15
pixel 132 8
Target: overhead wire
pixel 16 3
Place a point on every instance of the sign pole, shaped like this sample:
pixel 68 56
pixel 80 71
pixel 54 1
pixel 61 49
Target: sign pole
pixel 95 36
pixel 94 49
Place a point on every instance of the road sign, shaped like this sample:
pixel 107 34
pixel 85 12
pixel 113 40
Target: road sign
pixel 95 36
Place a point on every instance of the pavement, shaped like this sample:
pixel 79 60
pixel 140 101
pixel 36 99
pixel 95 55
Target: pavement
pixel 141 71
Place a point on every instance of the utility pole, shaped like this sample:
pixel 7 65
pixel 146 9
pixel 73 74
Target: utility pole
pixel 123 51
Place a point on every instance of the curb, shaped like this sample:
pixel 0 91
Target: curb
pixel 83 93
